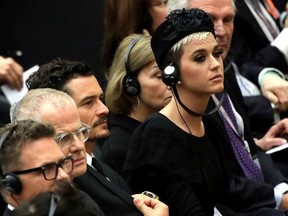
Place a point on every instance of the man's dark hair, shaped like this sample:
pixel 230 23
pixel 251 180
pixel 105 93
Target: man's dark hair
pixel 57 73
pixel 14 136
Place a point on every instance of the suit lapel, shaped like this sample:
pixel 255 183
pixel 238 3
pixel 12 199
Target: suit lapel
pixel 7 212
pixel 245 13
pixel 111 186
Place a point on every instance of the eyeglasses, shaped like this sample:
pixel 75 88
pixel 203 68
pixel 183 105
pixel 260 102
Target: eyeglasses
pixel 50 171
pixel 65 140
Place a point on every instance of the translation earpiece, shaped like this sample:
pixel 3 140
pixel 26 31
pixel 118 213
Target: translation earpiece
pixel 131 85
pixel 12 183
pixel 170 74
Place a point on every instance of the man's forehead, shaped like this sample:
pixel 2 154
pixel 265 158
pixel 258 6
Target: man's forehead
pixel 211 6
pixel 199 3
pixel 63 119
pixel 37 154
pixel 63 127
pixel 81 83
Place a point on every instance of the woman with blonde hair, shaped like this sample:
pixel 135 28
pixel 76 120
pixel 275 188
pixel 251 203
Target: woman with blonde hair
pixel 134 92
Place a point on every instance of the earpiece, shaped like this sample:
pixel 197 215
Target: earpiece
pixel 170 74
pixel 130 83
pixel 11 181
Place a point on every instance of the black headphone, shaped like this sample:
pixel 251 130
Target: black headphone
pixel 11 181
pixel 171 74
pixel 130 83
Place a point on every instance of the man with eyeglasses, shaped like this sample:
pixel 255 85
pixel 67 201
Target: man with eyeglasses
pixel 57 108
pixel 77 80
pixel 27 168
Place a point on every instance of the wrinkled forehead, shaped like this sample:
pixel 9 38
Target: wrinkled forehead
pixel 62 118
pixel 219 9
pixel 194 39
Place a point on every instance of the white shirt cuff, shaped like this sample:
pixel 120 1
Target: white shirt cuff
pixel 281 43
pixel 270 71
pixel 279 190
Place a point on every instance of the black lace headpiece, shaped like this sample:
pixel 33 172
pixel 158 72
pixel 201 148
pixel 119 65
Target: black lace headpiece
pixel 178 24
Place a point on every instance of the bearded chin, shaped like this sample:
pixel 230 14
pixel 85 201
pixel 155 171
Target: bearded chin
pixel 98 136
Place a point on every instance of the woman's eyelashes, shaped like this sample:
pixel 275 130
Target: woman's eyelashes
pixel 203 56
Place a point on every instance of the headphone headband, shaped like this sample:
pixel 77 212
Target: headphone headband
pixel 131 85
pixel 11 181
pixel 127 55
pixel 4 137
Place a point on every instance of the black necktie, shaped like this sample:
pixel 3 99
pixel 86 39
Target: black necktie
pixel 97 166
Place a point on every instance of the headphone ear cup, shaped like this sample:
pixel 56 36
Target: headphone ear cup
pixel 170 75
pixel 12 183
pixel 131 85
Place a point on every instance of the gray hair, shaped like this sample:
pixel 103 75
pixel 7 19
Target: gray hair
pixel 179 4
pixel 29 106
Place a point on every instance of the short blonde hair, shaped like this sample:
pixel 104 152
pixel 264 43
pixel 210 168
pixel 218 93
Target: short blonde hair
pixel 116 99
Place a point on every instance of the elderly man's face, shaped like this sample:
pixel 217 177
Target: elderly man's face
pixel 66 119
pixel 222 12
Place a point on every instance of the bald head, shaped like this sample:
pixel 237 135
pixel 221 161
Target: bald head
pixel 33 103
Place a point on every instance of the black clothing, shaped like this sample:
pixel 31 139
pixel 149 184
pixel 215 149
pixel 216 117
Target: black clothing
pixel 185 171
pixel 115 147
pixel 191 175
pixel 165 158
pixel 7 212
pixel 250 47
pixel 4 111
pixel 260 114
pixel 234 92
pixel 113 197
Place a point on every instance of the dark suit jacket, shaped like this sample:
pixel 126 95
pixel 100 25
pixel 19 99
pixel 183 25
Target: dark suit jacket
pixel 4 111
pixel 7 212
pixel 250 48
pixel 260 114
pixel 235 94
pixel 116 145
pixel 111 198
pixel 250 195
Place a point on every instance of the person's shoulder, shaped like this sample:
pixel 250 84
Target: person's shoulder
pixel 153 125
pixel 156 119
pixel 121 125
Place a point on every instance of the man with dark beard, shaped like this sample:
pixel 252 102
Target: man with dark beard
pixel 77 80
